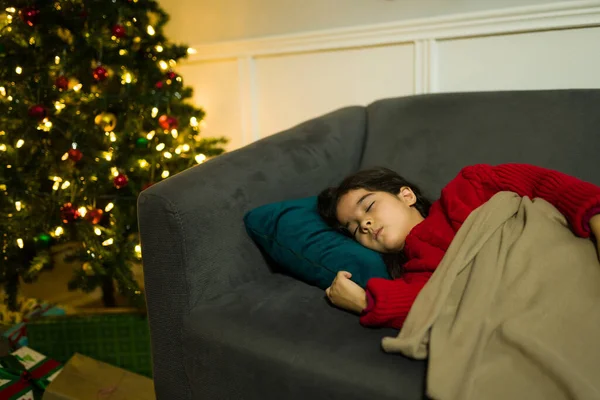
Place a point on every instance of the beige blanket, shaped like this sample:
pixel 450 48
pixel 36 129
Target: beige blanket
pixel 513 310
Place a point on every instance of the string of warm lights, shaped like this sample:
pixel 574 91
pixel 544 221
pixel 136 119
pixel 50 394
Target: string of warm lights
pixel 156 153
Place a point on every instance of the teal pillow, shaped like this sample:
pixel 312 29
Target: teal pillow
pixel 294 235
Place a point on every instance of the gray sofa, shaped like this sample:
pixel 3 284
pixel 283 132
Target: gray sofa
pixel 227 325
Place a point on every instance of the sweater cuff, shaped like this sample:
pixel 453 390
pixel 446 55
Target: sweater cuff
pixel 370 302
pixel 586 218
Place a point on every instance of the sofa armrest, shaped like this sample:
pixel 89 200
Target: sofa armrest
pixel 194 242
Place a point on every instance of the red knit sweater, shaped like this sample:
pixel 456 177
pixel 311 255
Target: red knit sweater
pixel 389 301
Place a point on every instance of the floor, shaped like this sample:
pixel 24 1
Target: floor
pixel 52 287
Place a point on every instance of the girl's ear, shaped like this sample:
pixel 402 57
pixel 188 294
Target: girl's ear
pixel 407 195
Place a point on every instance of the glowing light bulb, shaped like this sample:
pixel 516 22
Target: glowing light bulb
pixel 200 158
pixel 126 78
pixel 57 60
pixel 108 242
pixel 165 174
pixel 178 150
pixel 59 106
pixel 160 146
pixel 154 112
pixel 55 186
pixel 18 205
pixel 186 147
pixel 122 52
pixel 19 70
pixel 191 50
pixel 109 207
pixel 194 122
pixel 20 243
pixel 2 147
pixel 167 154
pixel 150 30
pixel 113 137
pixel 174 133
pixel 11 10
pixel 159 48
pixel 97 231
pixel 20 143
pixel 150 135
pixel 82 211
pixel 65 185
pixel 114 171
pixel 107 156
pixel 65 157
pixel 77 87
pixel 143 163
pixel 59 231
pixel 2 90
pixel 173 63
pixel 163 64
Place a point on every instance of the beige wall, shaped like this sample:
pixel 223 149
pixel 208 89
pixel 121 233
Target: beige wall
pixel 197 22
pixel 253 88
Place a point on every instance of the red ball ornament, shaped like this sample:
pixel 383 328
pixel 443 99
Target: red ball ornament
pixel 62 83
pixel 100 73
pixel 94 216
pixel 30 15
pixel 75 155
pixel 68 213
pixel 159 84
pixel 121 181
pixel 37 111
pixel 171 75
pixel 119 31
pixel 167 122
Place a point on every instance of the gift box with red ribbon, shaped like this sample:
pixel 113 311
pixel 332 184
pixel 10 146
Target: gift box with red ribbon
pixel 25 374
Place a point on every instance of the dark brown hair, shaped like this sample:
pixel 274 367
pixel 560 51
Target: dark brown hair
pixel 378 179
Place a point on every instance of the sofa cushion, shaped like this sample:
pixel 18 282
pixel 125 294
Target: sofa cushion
pixel 293 235
pixel 279 339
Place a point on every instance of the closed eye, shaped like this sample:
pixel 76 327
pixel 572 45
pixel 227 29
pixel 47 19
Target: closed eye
pixel 368 208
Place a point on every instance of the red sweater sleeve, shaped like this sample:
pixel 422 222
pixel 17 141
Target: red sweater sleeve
pixel 392 299
pixel 574 198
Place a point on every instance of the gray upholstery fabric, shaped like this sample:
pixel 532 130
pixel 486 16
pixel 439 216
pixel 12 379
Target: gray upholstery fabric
pixel 429 138
pixel 193 239
pixel 277 338
pixel 225 326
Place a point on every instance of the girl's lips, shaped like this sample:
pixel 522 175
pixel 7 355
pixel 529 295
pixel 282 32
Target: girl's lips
pixel 377 233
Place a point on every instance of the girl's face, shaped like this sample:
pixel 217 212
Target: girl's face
pixel 380 221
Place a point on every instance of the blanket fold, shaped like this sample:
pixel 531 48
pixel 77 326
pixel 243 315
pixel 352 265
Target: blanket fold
pixel 513 310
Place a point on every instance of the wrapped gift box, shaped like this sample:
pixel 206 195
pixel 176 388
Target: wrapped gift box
pixel 84 378
pixel 25 374
pixel 120 337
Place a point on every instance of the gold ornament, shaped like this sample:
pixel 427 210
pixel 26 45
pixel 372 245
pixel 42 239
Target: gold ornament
pixel 65 35
pixel 87 268
pixel 107 121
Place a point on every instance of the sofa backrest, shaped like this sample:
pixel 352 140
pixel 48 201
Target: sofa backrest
pixel 429 138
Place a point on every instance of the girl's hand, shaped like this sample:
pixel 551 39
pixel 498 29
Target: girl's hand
pixel 595 228
pixel 346 294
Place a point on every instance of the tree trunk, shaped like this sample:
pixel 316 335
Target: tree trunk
pixel 108 293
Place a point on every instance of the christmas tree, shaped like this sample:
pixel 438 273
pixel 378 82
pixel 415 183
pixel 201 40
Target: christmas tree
pixel 92 111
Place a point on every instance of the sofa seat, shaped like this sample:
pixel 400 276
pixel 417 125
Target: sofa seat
pixel 281 338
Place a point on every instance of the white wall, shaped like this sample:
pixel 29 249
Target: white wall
pixel 253 88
